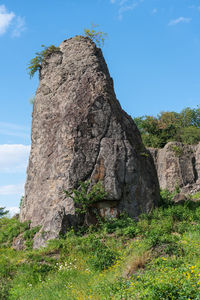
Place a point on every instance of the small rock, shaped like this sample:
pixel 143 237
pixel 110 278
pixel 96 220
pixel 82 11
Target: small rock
pixel 180 198
pixel 19 242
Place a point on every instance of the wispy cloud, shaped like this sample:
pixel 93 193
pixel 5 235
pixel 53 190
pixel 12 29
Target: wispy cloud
pixel 19 27
pixel 13 210
pixel 8 18
pixel 5 19
pixel 125 6
pixel 13 130
pixel 13 158
pixel 179 20
pixel 12 189
pixel 154 11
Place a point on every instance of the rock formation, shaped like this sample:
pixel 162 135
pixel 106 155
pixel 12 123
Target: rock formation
pixel 80 132
pixel 178 165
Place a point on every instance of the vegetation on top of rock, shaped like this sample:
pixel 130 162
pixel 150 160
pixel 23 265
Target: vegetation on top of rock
pixel 170 126
pixel 96 36
pixel 35 63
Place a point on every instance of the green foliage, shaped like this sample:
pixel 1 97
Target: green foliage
pixel 121 226
pixel 31 100
pixel 36 62
pixel 85 195
pixel 96 36
pixel 170 126
pixel 94 265
pixel 11 228
pixel 21 201
pixel 29 235
pixel 177 150
pixel 190 135
pixel 102 256
pixel 3 212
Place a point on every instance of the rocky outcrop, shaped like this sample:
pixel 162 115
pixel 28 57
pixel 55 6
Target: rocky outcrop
pixel 80 132
pixel 178 166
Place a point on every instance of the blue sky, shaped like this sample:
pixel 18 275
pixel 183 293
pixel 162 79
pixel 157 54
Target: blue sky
pixel 152 51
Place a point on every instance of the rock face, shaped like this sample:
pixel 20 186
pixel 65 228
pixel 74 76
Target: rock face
pixel 178 165
pixel 80 132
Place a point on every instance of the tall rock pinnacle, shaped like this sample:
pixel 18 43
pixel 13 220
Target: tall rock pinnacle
pixel 80 132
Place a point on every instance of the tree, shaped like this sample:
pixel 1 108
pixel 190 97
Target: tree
pixel 96 36
pixel 190 135
pixel 36 62
pixel 3 212
pixel 170 126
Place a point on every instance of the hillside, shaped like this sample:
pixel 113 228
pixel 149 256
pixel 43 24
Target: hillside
pixel 154 258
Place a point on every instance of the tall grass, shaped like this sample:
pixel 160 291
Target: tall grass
pixel 157 257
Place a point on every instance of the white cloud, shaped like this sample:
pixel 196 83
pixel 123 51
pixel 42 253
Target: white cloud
pixel 12 189
pixel 5 19
pixel 13 210
pixel 13 158
pixel 19 27
pixel 179 20
pixel 125 6
pixel 9 18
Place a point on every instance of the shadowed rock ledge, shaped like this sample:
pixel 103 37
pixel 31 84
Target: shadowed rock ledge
pixel 80 132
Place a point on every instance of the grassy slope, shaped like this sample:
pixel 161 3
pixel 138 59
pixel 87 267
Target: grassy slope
pixel 156 258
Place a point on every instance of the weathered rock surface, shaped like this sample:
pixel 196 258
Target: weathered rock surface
pixel 178 165
pixel 19 242
pixel 80 132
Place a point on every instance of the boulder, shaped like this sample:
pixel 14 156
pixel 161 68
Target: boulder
pixel 79 133
pixel 178 167
pixel 19 242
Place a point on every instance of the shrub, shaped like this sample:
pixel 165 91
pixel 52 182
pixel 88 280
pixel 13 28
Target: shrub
pixel 10 228
pixel 85 195
pixel 177 150
pixel 121 226
pixel 102 257
pixel 35 63
pixel 96 36
pixel 3 212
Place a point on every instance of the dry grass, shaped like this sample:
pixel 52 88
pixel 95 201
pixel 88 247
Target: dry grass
pixel 136 262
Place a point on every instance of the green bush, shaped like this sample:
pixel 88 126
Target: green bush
pixel 3 212
pixel 96 36
pixel 36 62
pixel 86 194
pixel 121 226
pixel 102 257
pixel 177 150
pixel 9 229
pixel 170 126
